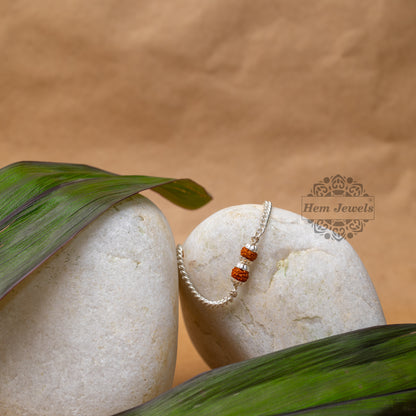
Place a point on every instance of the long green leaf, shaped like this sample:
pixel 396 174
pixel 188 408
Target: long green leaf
pixel 43 205
pixel 366 372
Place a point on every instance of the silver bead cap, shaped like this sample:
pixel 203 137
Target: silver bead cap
pixel 242 266
pixel 251 247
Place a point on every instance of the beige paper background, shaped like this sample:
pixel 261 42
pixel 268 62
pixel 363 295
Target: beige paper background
pixel 254 100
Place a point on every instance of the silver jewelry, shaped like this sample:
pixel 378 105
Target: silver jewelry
pixel 239 274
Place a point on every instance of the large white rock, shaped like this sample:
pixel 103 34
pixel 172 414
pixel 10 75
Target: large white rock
pixel 94 330
pixel 302 287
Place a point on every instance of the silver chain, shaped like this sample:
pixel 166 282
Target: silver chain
pixel 187 280
pixel 234 292
pixel 267 209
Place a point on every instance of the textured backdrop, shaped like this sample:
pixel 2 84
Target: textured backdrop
pixel 254 100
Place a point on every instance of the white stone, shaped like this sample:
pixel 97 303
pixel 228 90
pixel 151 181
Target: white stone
pixel 93 331
pixel 302 287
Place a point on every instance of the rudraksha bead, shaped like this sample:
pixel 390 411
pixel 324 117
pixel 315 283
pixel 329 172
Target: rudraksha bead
pixel 239 274
pixel 248 254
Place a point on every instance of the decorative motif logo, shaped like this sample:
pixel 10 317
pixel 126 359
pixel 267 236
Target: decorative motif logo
pixel 338 207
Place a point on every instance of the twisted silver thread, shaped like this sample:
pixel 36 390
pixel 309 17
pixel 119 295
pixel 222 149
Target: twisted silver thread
pixel 187 280
pixel 213 304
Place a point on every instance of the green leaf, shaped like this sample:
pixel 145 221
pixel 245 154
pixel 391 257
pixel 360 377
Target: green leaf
pixel 366 372
pixel 43 205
